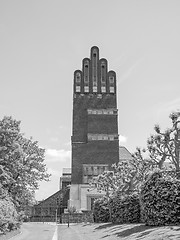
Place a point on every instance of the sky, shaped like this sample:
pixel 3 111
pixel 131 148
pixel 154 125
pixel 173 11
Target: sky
pixel 42 43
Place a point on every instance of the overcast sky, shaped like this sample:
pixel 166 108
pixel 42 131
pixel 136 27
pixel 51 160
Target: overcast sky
pixel 42 42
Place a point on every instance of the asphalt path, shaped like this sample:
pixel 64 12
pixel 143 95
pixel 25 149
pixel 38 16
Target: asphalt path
pixel 72 232
pixel 36 231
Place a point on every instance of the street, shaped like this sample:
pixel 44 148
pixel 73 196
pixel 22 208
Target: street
pixel 36 231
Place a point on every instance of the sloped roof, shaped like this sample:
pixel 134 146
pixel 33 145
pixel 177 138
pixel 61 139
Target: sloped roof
pixel 124 154
pixel 45 200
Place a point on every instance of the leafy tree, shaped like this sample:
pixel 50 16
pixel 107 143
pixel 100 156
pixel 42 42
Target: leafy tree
pixel 165 145
pixel 125 176
pixel 21 162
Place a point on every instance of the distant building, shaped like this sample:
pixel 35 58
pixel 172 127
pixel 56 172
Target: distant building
pixel 95 140
pixel 124 154
pixel 50 209
pixel 65 179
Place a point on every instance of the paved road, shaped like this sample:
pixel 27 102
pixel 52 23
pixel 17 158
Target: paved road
pixel 72 233
pixel 36 231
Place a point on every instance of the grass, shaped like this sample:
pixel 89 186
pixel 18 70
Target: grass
pixel 126 231
pixel 9 235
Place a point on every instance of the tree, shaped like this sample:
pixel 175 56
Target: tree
pixel 21 162
pixel 107 183
pixel 165 146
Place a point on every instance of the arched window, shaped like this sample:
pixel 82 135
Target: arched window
pixel 86 76
pixel 103 77
pixel 78 82
pixel 94 70
pixel 111 84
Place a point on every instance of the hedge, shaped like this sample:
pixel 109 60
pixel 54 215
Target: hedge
pixel 126 209
pixel 101 210
pixel 160 200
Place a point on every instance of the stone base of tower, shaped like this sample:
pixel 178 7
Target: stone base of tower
pixel 82 198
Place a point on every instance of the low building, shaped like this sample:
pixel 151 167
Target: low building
pixel 50 209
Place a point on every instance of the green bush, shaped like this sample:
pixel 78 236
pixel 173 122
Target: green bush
pixel 126 209
pixel 8 216
pixel 101 210
pixel 160 200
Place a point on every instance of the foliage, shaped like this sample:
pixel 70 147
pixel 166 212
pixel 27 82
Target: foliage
pixel 126 209
pixel 164 146
pixel 125 177
pixel 21 163
pixel 72 209
pixel 133 172
pixel 105 182
pixel 101 210
pixel 8 215
pixel 160 199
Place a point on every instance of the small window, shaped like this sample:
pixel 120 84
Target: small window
pixel 99 137
pixel 111 89
pixel 103 89
pixel 95 171
pixel 111 138
pixel 94 82
pixel 86 89
pixel 89 111
pixel 78 88
pixel 78 77
pixel 111 79
pixel 94 88
pixel 114 111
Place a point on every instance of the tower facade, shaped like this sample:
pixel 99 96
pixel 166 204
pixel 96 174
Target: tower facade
pixel 95 143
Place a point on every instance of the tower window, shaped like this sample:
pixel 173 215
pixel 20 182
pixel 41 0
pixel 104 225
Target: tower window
pixel 102 111
pixel 78 82
pixel 102 137
pixel 94 170
pixel 111 80
pixel 103 77
pixel 78 77
pixel 86 76
pixel 111 89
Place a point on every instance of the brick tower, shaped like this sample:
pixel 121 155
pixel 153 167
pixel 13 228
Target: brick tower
pixel 95 144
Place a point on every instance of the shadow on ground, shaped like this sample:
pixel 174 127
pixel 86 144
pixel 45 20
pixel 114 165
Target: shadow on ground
pixel 135 229
pixel 106 225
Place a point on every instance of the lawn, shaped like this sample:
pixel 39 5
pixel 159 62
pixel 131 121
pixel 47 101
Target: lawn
pixel 126 231
pixel 9 235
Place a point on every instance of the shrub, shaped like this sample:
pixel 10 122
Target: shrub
pixel 101 210
pixel 160 200
pixel 8 215
pixel 126 209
